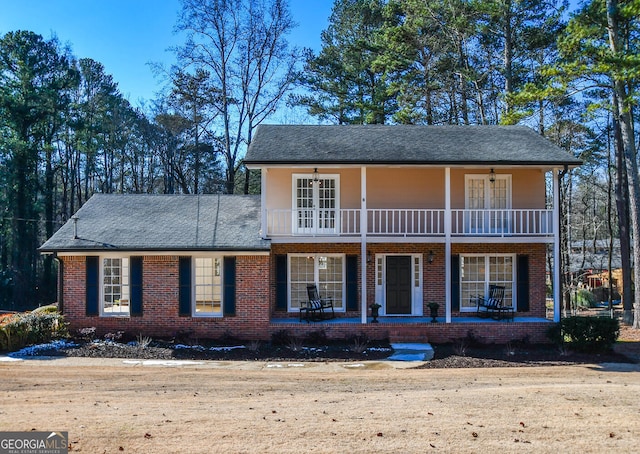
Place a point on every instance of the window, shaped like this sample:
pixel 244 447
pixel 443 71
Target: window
pixel 326 271
pixel 115 286
pixel 477 272
pixel 316 204
pixel 487 203
pixel 208 286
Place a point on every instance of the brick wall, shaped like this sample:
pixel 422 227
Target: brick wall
pixel 485 332
pixel 160 302
pixel 255 296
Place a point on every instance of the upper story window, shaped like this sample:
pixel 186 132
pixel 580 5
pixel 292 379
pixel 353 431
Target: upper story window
pixel 316 204
pixel 487 203
pixel 116 299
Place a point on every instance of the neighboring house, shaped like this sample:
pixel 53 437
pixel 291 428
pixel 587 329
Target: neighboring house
pixel 402 216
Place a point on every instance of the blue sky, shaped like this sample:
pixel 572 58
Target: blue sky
pixel 125 35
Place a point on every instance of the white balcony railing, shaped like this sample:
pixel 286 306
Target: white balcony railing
pixel 502 222
pixel 409 222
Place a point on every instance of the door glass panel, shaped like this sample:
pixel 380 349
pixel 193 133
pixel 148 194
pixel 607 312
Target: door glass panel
pixel 472 277
pixel 304 203
pixel 330 283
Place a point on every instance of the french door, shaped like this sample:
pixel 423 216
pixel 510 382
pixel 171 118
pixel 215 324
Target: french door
pixel 316 204
pixel 487 203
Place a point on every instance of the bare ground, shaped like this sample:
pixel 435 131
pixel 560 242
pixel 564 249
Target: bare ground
pixel 257 407
pixel 116 405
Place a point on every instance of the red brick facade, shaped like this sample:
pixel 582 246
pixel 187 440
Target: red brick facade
pixel 255 298
pixel 160 302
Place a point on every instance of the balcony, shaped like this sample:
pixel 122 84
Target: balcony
pixel 410 223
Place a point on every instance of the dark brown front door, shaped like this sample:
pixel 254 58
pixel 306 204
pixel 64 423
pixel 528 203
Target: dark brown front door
pixel 398 292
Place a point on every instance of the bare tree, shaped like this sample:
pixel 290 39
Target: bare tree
pixel 242 45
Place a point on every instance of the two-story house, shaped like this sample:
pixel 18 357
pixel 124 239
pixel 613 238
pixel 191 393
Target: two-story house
pixel 401 216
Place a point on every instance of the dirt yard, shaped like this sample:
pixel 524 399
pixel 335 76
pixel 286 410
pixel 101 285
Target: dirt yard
pixel 116 405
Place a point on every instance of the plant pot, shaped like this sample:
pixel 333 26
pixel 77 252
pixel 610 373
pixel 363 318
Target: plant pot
pixel 374 314
pixel 434 313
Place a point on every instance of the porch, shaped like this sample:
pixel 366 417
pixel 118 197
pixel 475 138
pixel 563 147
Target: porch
pixel 421 329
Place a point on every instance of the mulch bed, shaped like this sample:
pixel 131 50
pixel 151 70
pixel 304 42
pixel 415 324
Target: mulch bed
pixel 446 355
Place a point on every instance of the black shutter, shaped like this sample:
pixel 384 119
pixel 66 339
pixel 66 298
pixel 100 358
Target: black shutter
pixel 229 290
pixel 352 282
pixel 455 282
pixel 184 284
pixel 135 264
pixel 522 283
pixel 92 285
pixel 281 283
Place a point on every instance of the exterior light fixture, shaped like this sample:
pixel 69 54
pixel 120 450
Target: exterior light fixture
pixel 492 176
pixel 315 176
pixel 430 257
pixel 368 257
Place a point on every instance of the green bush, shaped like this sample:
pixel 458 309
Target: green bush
pixel 585 299
pixel 31 328
pixel 586 334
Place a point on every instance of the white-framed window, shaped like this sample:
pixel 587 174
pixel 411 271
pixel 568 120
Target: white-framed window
pixel 327 271
pixel 115 288
pixel 478 271
pixel 207 284
pixel 487 203
pixel 316 204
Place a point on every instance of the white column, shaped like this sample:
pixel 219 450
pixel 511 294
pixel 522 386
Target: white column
pixel 263 203
pixel 556 245
pixel 447 243
pixel 363 245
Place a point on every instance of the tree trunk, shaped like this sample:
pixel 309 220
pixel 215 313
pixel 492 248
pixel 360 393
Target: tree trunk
pixel 631 165
pixel 622 205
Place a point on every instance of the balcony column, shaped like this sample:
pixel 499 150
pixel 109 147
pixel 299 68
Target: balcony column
pixel 363 245
pixel 263 204
pixel 556 245
pixel 447 243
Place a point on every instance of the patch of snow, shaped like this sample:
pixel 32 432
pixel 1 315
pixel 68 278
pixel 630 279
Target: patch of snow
pixel 40 349
pixel 163 362
pixel 8 359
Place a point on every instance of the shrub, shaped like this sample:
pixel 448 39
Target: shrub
pixel 585 299
pixel 21 330
pixel 281 337
pixel 316 338
pixel 49 309
pixel 586 334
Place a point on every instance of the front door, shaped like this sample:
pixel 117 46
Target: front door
pixel 398 291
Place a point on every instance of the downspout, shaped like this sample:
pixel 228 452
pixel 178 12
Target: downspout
pixel 363 245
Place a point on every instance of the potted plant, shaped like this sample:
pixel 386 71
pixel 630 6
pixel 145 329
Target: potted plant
pixel 433 308
pixel 375 307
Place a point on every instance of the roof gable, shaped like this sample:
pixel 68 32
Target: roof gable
pixel 403 144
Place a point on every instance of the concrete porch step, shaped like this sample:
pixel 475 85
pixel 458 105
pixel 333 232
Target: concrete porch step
pixel 414 351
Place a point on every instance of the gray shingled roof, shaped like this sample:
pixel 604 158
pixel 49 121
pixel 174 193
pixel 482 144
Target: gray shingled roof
pixel 163 223
pixel 403 144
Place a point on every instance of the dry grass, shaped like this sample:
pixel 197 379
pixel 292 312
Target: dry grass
pixel 315 407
